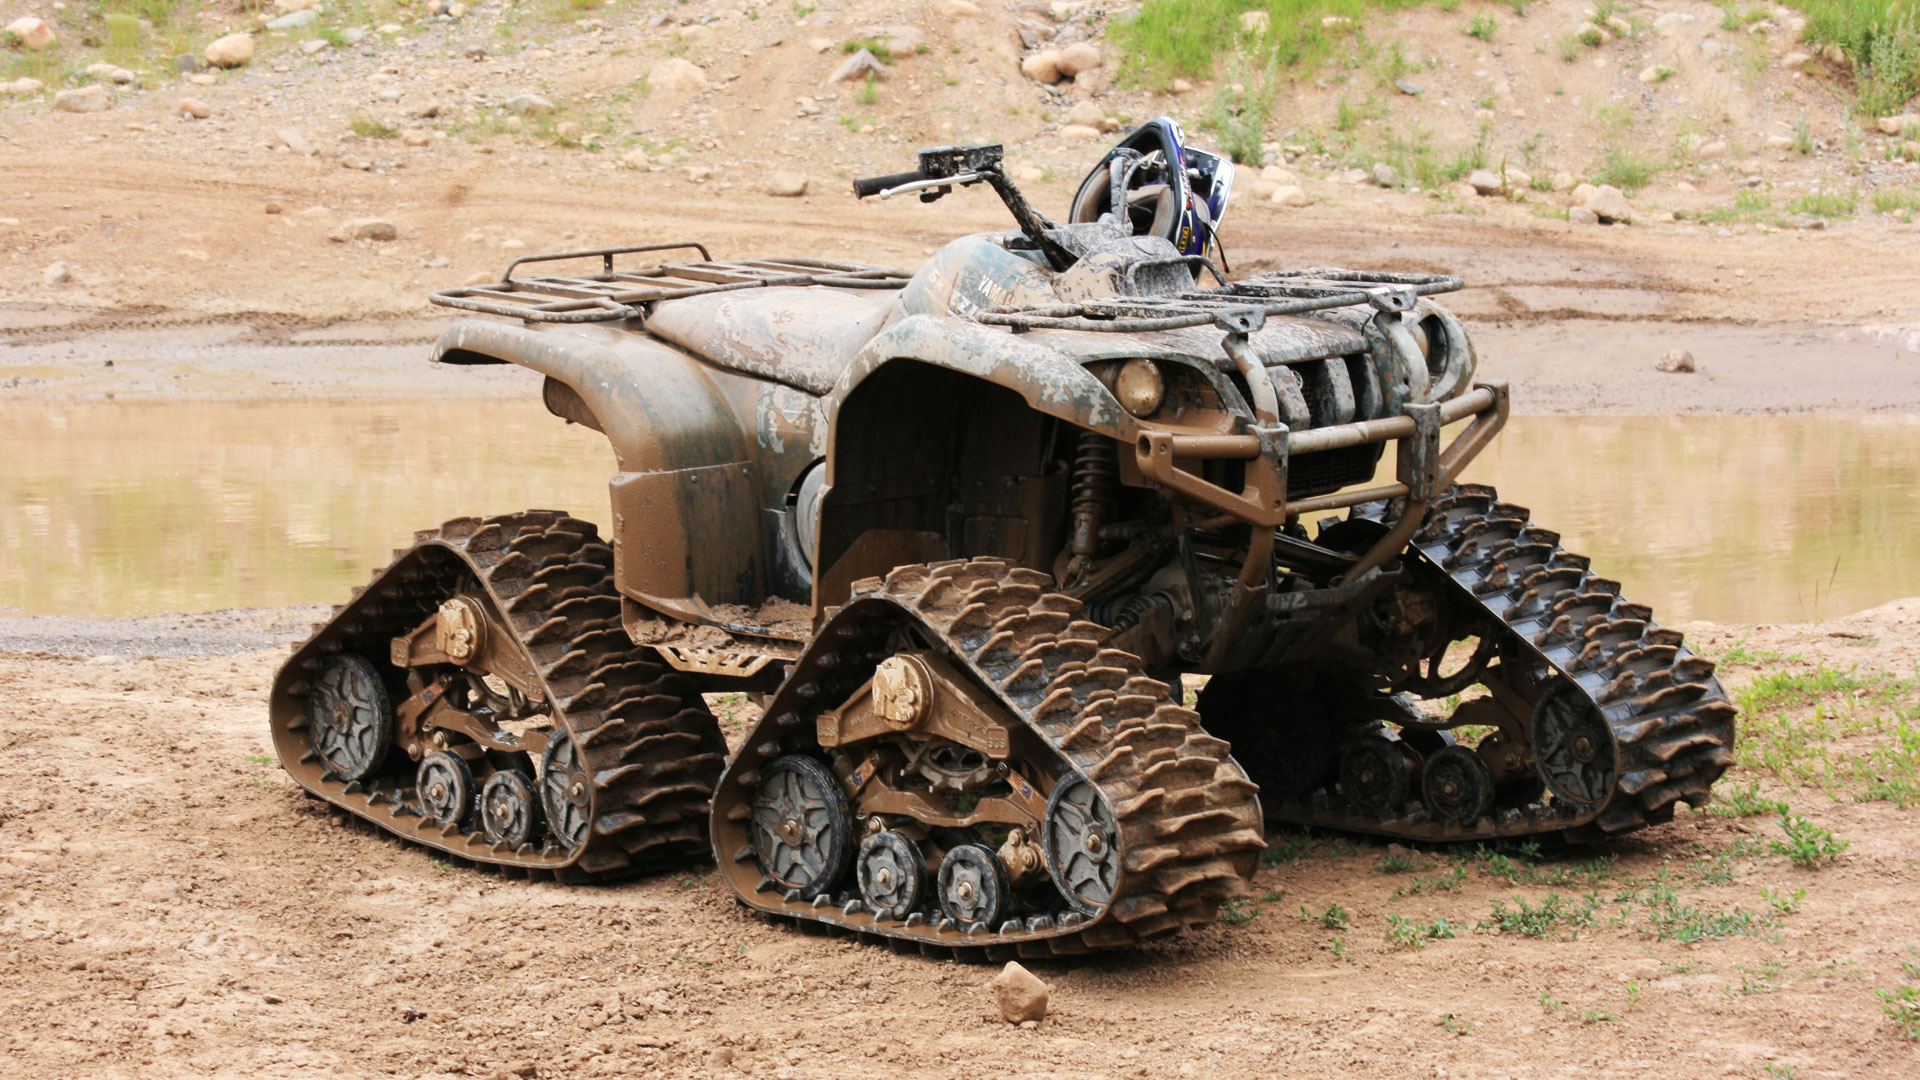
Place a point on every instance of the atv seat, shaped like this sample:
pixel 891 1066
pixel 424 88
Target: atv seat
pixel 803 336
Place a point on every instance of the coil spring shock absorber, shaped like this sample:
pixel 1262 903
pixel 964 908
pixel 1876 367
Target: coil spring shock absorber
pixel 1096 475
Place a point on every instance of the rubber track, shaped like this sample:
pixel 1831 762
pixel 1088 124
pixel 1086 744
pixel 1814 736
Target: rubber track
pixel 1672 724
pixel 646 738
pixel 1189 818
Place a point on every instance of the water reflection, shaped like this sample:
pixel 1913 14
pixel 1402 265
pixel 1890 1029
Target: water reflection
pixel 136 508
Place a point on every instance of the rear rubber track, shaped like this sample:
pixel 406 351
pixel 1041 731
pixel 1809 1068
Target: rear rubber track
pixel 1672 725
pixel 650 746
pixel 1189 818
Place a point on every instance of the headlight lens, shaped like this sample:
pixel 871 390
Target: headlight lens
pixel 1140 387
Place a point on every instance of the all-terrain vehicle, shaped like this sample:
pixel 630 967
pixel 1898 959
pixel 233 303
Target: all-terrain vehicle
pixel 962 533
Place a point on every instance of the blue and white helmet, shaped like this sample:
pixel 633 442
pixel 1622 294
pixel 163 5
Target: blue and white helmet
pixel 1172 190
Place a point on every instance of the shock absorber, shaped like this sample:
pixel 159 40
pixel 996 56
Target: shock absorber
pixel 1096 477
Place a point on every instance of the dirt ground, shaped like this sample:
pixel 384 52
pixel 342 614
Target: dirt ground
pixel 170 905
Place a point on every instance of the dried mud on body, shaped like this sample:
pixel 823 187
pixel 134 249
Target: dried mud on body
pixel 170 905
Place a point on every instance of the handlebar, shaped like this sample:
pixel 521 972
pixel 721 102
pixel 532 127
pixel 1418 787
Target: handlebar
pixel 874 185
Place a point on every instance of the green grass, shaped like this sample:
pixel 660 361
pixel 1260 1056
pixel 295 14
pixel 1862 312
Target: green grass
pixel 1807 844
pixel 1902 1004
pixel 1409 934
pixel 1167 39
pixel 1881 37
pixel 1242 106
pixel 1482 26
pixel 873 45
pixel 368 128
pixel 1334 918
pixel 1553 917
pixel 1895 200
pixel 1824 205
pixel 1852 734
pixel 1745 802
pixel 1625 170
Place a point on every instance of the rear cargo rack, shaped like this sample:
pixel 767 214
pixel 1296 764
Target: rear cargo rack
pixel 1276 292
pixel 612 294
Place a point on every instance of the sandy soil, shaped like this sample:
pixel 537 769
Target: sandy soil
pixel 171 906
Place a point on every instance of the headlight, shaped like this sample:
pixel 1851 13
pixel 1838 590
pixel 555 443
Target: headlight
pixel 1140 387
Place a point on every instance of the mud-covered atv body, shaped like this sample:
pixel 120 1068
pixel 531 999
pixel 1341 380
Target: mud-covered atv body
pixel 962 532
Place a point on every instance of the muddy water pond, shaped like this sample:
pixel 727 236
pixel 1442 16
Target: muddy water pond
pixel 137 508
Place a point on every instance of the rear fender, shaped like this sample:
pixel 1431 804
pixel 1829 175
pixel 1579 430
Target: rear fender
pixel 685 507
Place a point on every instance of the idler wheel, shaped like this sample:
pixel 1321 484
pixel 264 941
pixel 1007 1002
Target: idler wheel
pixel 802 833
pixel 351 717
pixel 1573 746
pixel 1375 773
pixel 1457 786
pixel 566 791
pixel 893 874
pixel 445 785
pixel 973 888
pixel 509 813
pixel 1082 843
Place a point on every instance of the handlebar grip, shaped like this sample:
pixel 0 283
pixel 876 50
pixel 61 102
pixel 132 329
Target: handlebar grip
pixel 874 185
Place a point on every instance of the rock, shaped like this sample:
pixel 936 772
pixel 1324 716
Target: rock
pixel 1713 47
pixel 1619 26
pixel 1580 215
pixel 1020 995
pixel 1677 361
pixel 1290 195
pixel 1835 55
pixel 1666 23
pixel 635 159
pixel 109 73
pixel 293 140
pixel 22 87
pixel 695 35
pixel 419 137
pixel 294 20
pixel 1407 88
pixel 699 174
pixel 203 79
pixel 1087 114
pixel 1712 151
pixel 1779 142
pixel 1261 190
pixel 378 229
pixel 315 46
pixel 1255 22
pixel 1335 22
pixel 859 66
pixel 86 99
pixel 1354 176
pixel 1685 186
pixel 529 105
pixel 960 9
pixel 1518 179
pixel 34 34
pixel 1751 167
pixel 231 51
pixel 1608 202
pixel 787 185
pixel 1894 125
pixel 1043 67
pixel 1080 131
pixel 187 63
pixel 1651 74
pixel 1279 174
pixel 1800 61
pixel 676 75
pixel 1384 175
pixel 1582 192
pixel 1180 86
pixel 570 132
pixel 1562 180
pixel 1484 182
pixel 56 274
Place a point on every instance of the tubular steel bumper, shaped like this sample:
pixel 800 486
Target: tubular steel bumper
pixel 1422 469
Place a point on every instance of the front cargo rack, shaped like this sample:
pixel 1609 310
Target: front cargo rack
pixel 1276 292
pixel 612 294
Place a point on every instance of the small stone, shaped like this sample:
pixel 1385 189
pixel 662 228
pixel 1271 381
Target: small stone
pixel 1079 58
pixel 1582 192
pixel 1384 175
pixel 529 105
pixel 676 75
pixel 1670 20
pixel 1081 132
pixel 34 34
pixel 1485 182
pixel 1279 174
pixel 231 51
pixel 294 141
pixel 1290 195
pixel 1712 151
pixel 1407 88
pixel 1894 125
pixel 1677 361
pixel 1044 67
pixel 294 20
pixel 1517 178
pixel 377 229
pixel 1751 167
pixel 1651 74
pixel 1020 995
pixel 1580 215
pixel 203 79
pixel 110 73
pixel 1608 202
pixel 1354 176
pixel 1181 86
pixel 1779 142
pixel 699 174
pixel 56 274
pixel 859 66
pixel 636 159
pixel 1619 26
pixel 1800 61
pixel 1685 186
pixel 1087 114
pixel 1335 22
pixel 421 137
pixel 787 185
pixel 1562 180
pixel 22 87
pixel 1255 22
pixel 276 208
pixel 87 99
pixel 315 46
pixel 570 132
pixel 960 9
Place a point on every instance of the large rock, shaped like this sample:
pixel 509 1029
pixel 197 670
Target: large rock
pixel 1290 195
pixel 1020 994
pixel 22 87
pixel 677 75
pixel 34 34
pixel 1894 125
pixel 231 51
pixel 1485 182
pixel 787 185
pixel 1580 215
pixel 1042 67
pixel 1609 204
pixel 1079 58
pixel 1385 175
pixel 86 99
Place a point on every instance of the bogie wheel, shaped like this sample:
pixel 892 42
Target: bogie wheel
pixel 1457 786
pixel 351 716
pixel 1375 773
pixel 802 831
pixel 445 784
pixel 1573 746
pixel 566 791
pixel 509 813
pixel 1082 844
pixel 973 887
pixel 893 874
